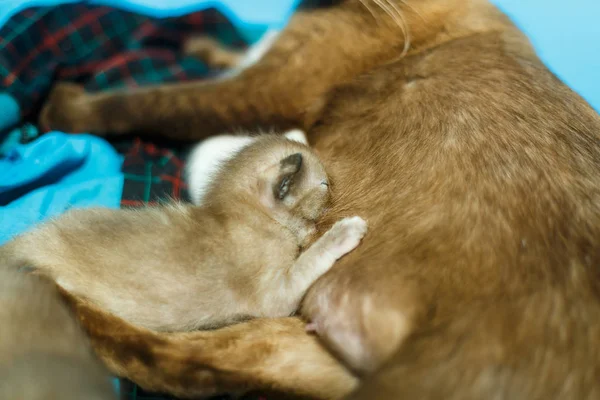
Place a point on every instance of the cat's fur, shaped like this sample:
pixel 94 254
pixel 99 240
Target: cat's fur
pixel 179 267
pixel 479 174
pixel 44 354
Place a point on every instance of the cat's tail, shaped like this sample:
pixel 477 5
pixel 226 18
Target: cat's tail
pixel 262 354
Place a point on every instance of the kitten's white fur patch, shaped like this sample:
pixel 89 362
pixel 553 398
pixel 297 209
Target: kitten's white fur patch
pixel 206 158
pixel 296 135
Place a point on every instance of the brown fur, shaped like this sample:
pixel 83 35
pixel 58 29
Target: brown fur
pixel 44 355
pixel 179 363
pixel 479 173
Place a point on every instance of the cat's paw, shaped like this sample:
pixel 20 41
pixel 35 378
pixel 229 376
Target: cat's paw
pixel 67 109
pixel 345 236
pixel 211 52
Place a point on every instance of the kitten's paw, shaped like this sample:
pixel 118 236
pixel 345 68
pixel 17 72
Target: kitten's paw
pixel 345 236
pixel 67 109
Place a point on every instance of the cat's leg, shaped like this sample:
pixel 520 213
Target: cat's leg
pixel 288 87
pixel 342 238
pixel 264 354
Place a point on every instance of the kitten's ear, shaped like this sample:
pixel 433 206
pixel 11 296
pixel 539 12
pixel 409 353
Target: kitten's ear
pixel 296 135
pixel 289 168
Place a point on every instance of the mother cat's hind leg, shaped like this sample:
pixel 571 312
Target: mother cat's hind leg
pixel 263 354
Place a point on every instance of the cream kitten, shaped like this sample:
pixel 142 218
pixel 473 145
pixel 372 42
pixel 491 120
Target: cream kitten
pixel 180 267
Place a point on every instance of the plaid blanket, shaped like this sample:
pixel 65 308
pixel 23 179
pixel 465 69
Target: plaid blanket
pixel 101 48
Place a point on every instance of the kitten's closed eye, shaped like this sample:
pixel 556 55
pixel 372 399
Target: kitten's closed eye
pixel 284 188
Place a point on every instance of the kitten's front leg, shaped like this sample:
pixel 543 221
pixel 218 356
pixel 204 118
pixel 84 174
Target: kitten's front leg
pixel 341 239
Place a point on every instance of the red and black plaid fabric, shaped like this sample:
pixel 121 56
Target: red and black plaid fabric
pixel 153 173
pixel 102 47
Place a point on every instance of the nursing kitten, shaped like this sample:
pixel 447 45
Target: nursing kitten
pixel 182 267
pixel 44 354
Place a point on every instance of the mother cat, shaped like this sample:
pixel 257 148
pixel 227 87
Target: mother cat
pixel 479 174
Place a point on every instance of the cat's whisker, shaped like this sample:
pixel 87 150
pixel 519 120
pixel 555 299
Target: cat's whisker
pixel 413 9
pixel 396 15
pixel 400 14
pixel 366 5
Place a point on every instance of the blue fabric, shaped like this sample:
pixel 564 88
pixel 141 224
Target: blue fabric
pixel 53 174
pixel 10 140
pixel 9 112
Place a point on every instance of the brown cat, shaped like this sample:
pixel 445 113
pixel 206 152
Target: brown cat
pixel 44 355
pixel 183 267
pixel 479 174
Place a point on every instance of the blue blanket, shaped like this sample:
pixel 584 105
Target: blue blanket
pixel 54 173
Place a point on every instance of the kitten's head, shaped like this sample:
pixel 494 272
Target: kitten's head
pixel 284 175
pixel 208 157
pixel 295 181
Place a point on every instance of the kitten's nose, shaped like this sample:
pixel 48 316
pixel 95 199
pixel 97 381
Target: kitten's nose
pixel 325 183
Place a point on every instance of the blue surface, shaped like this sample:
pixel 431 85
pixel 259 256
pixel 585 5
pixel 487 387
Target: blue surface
pixel 566 35
pixel 53 174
